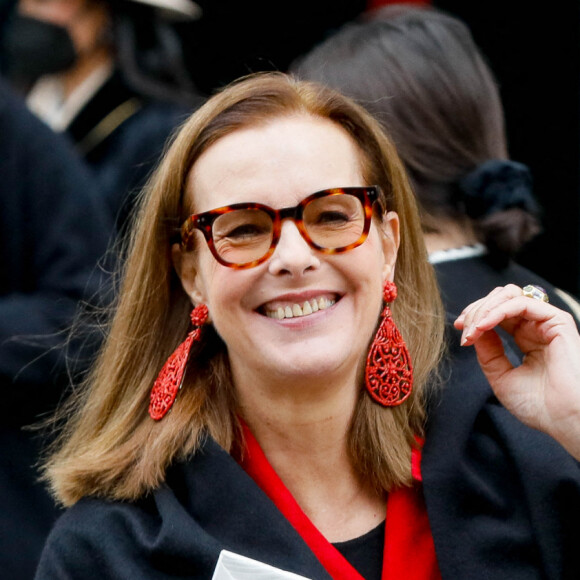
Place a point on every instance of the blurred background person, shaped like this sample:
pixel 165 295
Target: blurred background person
pixel 420 73
pixel 110 75
pixel 105 80
pixel 53 232
pixel 541 103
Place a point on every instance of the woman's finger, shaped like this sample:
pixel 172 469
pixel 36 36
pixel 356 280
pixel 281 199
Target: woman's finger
pixel 480 309
pixel 495 297
pixel 491 356
pixel 474 304
pixel 512 314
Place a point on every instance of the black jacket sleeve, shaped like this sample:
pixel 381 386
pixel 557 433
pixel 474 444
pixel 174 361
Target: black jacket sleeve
pixel 53 231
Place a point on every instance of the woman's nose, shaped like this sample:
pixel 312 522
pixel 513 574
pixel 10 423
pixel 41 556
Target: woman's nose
pixel 292 255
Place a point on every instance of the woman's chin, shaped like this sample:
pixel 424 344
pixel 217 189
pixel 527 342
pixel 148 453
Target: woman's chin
pixel 307 364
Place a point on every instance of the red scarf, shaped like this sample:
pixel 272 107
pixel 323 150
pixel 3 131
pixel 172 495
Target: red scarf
pixel 409 553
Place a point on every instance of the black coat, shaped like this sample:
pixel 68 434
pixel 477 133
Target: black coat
pixel 503 499
pixel 503 502
pixel 53 230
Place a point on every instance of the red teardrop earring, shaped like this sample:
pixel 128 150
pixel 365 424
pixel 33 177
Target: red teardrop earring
pixel 389 373
pixel 170 378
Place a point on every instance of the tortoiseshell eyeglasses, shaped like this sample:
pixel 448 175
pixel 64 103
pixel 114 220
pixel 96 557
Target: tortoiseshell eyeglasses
pixel 245 234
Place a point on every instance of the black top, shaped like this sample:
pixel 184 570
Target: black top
pixel 362 552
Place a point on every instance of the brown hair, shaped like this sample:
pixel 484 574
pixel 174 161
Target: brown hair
pixel 110 446
pixel 420 73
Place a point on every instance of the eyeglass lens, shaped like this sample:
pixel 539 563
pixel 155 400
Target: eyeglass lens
pixel 330 222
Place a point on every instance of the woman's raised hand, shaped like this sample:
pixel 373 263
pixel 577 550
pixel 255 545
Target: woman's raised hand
pixel 544 391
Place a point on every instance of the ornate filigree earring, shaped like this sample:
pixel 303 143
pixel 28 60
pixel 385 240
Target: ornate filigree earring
pixel 171 377
pixel 389 373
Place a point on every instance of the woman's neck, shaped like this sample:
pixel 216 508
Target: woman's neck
pixel 451 234
pixel 306 441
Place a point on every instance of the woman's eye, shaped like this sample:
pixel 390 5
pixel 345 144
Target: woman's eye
pixel 330 217
pixel 245 231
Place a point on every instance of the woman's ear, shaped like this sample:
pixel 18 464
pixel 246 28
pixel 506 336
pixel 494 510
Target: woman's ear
pixel 390 237
pixel 184 264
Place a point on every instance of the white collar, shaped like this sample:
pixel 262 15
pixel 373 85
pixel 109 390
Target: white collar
pixel 460 253
pixel 47 101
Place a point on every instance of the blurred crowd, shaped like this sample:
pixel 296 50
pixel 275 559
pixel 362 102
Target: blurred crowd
pixel 90 93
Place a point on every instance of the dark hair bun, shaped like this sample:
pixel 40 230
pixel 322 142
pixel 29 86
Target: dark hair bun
pixel 497 185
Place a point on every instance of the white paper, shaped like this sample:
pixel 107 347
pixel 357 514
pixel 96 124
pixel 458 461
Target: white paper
pixel 232 566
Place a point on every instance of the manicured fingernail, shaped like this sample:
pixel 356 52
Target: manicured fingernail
pixel 467 334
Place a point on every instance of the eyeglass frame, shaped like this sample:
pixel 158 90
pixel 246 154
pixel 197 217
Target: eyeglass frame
pixel 367 195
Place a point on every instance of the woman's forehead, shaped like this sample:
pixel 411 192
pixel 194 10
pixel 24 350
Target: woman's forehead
pixel 277 163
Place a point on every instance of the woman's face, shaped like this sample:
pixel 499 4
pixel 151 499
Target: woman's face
pixel 279 164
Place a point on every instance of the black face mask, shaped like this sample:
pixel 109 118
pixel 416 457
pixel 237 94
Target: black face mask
pixel 33 48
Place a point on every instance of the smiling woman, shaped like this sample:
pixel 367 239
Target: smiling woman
pixel 280 225
pixel 274 163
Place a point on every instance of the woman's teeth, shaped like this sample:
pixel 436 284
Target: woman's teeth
pixel 297 310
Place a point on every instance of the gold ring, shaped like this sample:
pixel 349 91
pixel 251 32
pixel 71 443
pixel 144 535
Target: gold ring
pixel 535 292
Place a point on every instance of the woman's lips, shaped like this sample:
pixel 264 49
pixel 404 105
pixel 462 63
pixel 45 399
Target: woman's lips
pixel 286 309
